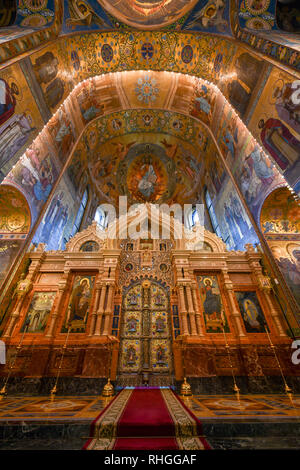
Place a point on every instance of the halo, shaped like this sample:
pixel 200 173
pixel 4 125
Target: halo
pixel 85 279
pixel 278 84
pixel 291 247
pixel 263 116
pixel 207 279
pixel 10 81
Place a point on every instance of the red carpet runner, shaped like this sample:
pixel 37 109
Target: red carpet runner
pixel 146 419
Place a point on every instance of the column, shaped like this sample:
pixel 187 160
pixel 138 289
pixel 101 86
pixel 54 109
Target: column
pixel 23 288
pixel 100 311
pixel 273 312
pixel 108 310
pixel 61 291
pixel 94 313
pixel 191 310
pixel 197 310
pixel 183 312
pixel 13 318
pixel 235 312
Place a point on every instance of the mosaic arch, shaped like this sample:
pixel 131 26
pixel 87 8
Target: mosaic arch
pixel 29 25
pixel 280 223
pixel 38 22
pixel 39 169
pixel 69 61
pixel 15 222
pixel 15 217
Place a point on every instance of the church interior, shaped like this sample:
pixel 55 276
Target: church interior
pixel 186 335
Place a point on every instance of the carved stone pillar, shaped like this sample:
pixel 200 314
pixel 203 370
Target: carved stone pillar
pixel 23 287
pixel 62 287
pixel 197 310
pixel 100 311
pixel 266 290
pixel 108 310
pixel 183 311
pixel 191 310
pixel 94 313
pixel 234 311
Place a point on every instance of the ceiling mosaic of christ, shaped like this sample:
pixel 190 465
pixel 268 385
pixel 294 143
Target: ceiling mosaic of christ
pixel 148 13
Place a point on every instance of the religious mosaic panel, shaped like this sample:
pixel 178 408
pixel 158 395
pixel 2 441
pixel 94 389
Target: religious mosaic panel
pixel 159 298
pixel 212 304
pixel 14 211
pixel 47 67
pixel 131 355
pixel 251 311
pixel 145 334
pixel 160 325
pixel 90 246
pixel 160 355
pixel 79 304
pixel 8 252
pixel 276 124
pixel 38 312
pixel 133 299
pixel 280 214
pixel 20 118
pixel 132 325
pixel 57 224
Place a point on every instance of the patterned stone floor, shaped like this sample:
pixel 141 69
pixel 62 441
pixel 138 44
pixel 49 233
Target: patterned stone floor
pixel 203 406
pixel 244 406
pixel 252 422
pixel 45 408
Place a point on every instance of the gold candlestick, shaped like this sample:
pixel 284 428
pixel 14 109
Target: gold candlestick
pixel 185 389
pixel 54 389
pixel 287 389
pixel 108 389
pixel 235 387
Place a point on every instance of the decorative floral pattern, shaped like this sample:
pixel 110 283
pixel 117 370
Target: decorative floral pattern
pixel 147 89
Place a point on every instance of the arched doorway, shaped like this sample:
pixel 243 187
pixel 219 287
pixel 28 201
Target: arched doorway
pixel 145 355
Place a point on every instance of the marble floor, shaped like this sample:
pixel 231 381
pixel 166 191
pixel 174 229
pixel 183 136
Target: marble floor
pixel 228 422
pixel 203 406
pixel 244 406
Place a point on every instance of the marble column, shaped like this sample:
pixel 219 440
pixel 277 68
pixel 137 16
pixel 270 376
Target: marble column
pixel 274 314
pixel 197 311
pixel 235 312
pixel 183 311
pixel 100 311
pixel 61 291
pixel 13 318
pixel 191 311
pixel 94 313
pixel 23 288
pixel 108 310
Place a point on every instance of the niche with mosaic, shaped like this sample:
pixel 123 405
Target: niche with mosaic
pixel 160 355
pixel 251 312
pixel 132 322
pixel 130 359
pixel 212 305
pixel 79 304
pixel 38 312
pixel 133 299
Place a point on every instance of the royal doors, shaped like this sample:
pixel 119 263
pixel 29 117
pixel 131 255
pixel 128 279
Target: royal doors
pixel 145 342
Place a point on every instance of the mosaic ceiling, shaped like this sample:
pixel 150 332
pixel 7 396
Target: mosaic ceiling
pixel 148 13
pixel 148 155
